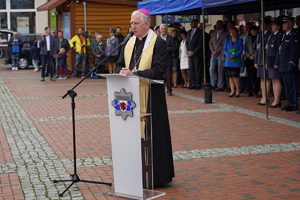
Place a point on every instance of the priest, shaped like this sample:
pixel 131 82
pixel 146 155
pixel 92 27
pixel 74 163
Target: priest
pixel 145 55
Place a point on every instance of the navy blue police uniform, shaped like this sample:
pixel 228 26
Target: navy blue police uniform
pixel 272 47
pixel 288 62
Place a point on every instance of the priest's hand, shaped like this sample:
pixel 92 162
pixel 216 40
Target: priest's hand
pixel 125 71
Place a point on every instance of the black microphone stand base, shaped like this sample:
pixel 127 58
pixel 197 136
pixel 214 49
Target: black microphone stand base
pixel 75 179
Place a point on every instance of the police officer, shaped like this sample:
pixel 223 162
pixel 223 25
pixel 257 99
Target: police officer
pixel 272 48
pixel 258 60
pixel 288 62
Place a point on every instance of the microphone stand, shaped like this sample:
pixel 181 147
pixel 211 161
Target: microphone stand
pixel 74 177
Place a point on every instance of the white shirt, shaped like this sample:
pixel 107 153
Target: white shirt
pixel 193 32
pixel 164 37
pixel 48 42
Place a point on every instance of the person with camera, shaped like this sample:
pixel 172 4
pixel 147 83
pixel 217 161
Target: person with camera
pixel 15 44
pixel 80 43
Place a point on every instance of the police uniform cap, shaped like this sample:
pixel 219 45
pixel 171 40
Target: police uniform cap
pixel 288 19
pixel 111 30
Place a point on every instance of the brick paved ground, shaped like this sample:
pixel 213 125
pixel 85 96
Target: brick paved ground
pixel 223 150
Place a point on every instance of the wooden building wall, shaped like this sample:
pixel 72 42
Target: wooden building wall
pixel 99 17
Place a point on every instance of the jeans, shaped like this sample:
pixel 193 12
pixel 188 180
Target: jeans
pixel 80 57
pixel 217 64
pixel 35 63
pixel 47 60
pixel 15 58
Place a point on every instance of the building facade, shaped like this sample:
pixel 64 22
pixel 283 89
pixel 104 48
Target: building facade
pixel 22 16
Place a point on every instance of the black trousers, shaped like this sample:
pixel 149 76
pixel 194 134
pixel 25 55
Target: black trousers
pixel 253 82
pixel 168 78
pixel 290 88
pixel 47 60
pixel 196 69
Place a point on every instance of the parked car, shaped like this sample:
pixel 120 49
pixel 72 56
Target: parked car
pixel 25 60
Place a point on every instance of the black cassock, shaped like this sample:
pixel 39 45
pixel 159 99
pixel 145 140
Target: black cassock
pixel 163 167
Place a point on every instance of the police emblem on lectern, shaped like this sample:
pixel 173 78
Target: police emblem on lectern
pixel 123 104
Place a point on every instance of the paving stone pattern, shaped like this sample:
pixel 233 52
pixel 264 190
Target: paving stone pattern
pixel 30 162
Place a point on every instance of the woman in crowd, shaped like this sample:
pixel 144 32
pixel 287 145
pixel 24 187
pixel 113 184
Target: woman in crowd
pixel 233 49
pixel 99 53
pixel 184 59
pixel 262 73
pixel 273 45
pixel 112 44
pixel 175 58
pixel 249 53
pixel 35 53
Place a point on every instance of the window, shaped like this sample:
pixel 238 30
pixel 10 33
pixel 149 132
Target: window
pixel 23 22
pixel 22 4
pixel 2 4
pixel 3 20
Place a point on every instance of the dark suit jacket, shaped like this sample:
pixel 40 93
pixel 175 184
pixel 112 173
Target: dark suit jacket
pixel 158 61
pixel 170 50
pixel 43 45
pixel 194 44
pixel 64 44
pixel 99 50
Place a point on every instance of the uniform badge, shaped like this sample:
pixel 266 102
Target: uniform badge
pixel 123 104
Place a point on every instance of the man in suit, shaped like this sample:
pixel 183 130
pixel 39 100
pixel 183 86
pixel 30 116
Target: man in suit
pixel 170 52
pixel 195 53
pixel 48 51
pixel 288 62
pixel 145 55
pixel 216 43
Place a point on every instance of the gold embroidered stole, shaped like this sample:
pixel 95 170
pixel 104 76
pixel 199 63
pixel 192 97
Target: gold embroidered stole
pixel 145 63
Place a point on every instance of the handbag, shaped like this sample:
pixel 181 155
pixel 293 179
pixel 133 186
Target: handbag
pixel 243 70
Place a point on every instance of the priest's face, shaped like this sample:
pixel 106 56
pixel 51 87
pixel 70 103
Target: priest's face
pixel 138 26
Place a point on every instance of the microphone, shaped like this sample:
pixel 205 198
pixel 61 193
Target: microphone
pixel 130 34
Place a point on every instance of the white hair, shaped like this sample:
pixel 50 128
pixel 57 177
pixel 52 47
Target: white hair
pixel 99 37
pixel 163 25
pixel 144 17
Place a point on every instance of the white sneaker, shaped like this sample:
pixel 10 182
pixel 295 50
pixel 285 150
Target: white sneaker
pixel 12 68
pixel 16 68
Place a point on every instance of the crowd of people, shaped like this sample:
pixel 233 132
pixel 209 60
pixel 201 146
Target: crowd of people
pixel 236 63
pixel 251 59
pixel 50 51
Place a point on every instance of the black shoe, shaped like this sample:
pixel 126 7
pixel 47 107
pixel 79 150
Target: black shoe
pixel 285 107
pixel 291 108
pixel 192 87
pixel 231 95
pixel 198 88
pixel 52 79
pixel 228 90
pixel 237 95
pixel 275 106
pixel 42 79
pixel 169 93
pixel 250 95
pixel 261 104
